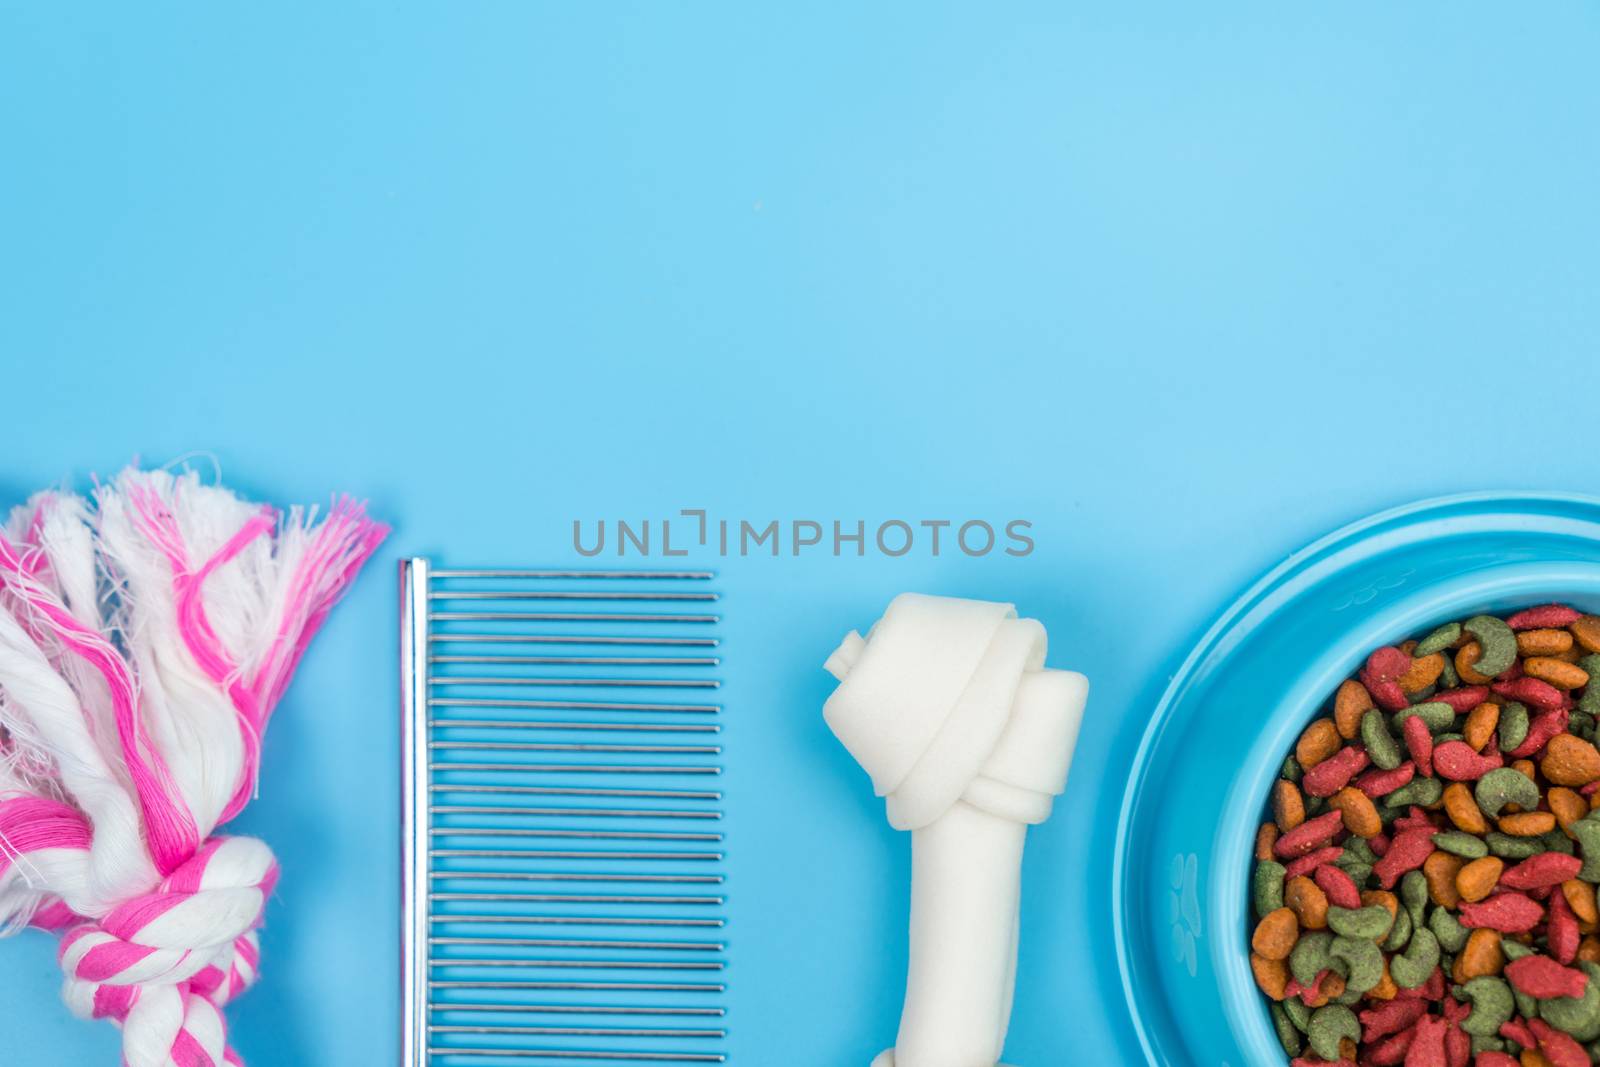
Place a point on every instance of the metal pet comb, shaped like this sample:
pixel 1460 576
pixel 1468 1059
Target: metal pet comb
pixel 562 854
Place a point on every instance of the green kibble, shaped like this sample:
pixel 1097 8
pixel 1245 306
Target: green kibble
pixel 1451 934
pixel 1400 932
pixel 1420 791
pixel 1513 728
pixel 1514 950
pixel 1298 1013
pixel 1438 640
pixel 1513 848
pixel 1497 641
pixel 1369 923
pixel 1438 715
pixel 1291 770
pixel 1362 958
pixel 1357 848
pixel 1461 844
pixel 1587 832
pixel 1589 703
pixel 1503 786
pixel 1486 1043
pixel 1288 1035
pixel 1492 1006
pixel 1557 841
pixel 1414 895
pixel 1267 887
pixel 1578 1016
pixel 1382 748
pixel 1448 678
pixel 1310 956
pixel 1329 1026
pixel 1412 967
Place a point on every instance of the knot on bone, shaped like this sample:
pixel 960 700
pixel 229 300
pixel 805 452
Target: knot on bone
pixel 164 963
pixel 948 700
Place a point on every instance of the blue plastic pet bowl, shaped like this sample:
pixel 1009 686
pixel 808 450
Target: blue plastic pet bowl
pixel 1198 786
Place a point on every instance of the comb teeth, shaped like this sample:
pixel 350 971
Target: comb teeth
pixel 563 862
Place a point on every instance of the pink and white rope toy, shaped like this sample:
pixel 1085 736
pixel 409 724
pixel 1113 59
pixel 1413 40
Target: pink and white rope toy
pixel 145 637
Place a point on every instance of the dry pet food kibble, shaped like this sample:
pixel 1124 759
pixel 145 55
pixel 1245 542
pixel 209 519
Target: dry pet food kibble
pixel 1424 888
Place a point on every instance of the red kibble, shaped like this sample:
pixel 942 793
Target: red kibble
pixel 1314 990
pixel 1419 742
pixel 1309 863
pixel 1338 886
pixel 1561 930
pixel 1533 692
pixel 1380 783
pixel 1457 1047
pixel 1427 1046
pixel 1509 913
pixel 1380 676
pixel 1406 853
pixel 1309 835
pixel 1335 772
pixel 1562 1050
pixel 1464 699
pixel 1490 1058
pixel 1517 1030
pixel 1415 818
pixel 1542 977
pixel 1390 1017
pixel 1546 617
pixel 1544 726
pixel 1391 1050
pixel 1457 761
pixel 1541 871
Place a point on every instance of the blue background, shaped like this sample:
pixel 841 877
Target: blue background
pixel 1184 284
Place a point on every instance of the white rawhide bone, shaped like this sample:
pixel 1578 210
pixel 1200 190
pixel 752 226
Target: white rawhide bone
pixel 947 704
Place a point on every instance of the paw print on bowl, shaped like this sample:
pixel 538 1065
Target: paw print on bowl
pixel 1184 882
pixel 1366 594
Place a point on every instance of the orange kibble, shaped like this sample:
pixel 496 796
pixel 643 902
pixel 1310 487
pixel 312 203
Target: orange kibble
pixel 1307 901
pixel 1524 767
pixel 1272 976
pixel 1589 949
pixel 1480 725
pixel 1570 760
pixel 1567 806
pixel 1480 956
pixel 1534 1058
pixel 1477 879
pixel 1349 705
pixel 1288 806
pixel 1276 934
pixel 1360 813
pixel 1544 642
pixel 1332 986
pixel 1347 1050
pixel 1391 902
pixel 1423 673
pixel 1386 989
pixel 1527 823
pixel 1266 837
pixel 1320 740
pixel 1465 658
pixel 1440 869
pixel 1557 672
pixel 1581 899
pixel 1463 809
pixel 1586 631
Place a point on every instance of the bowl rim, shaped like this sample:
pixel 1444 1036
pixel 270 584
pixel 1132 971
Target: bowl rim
pixel 1273 580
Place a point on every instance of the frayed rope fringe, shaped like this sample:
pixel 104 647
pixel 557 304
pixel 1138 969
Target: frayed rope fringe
pixel 145 637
